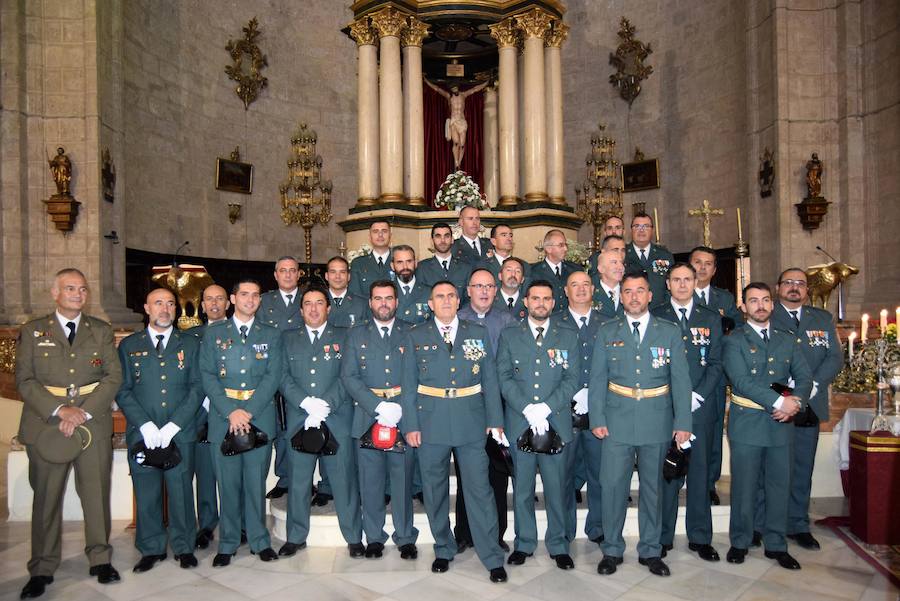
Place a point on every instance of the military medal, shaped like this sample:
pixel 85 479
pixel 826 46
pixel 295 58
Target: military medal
pixel 476 368
pixel 221 371
pixel 180 357
pixel 703 351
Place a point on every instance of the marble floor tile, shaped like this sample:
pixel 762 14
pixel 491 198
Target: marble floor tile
pixel 771 591
pixel 835 581
pixel 691 580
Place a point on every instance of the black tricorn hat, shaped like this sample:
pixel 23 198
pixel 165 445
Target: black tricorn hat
pixel 234 444
pixel 676 462
pixel 548 443
pixel 499 456
pixel 580 422
pixel 164 458
pixel 316 441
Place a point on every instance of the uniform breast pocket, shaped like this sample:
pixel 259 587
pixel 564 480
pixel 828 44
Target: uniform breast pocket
pixel 424 359
pixel 46 358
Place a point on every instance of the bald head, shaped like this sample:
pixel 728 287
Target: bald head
pixel 160 307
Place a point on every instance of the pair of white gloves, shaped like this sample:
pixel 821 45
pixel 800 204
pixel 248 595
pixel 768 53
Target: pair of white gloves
pixel 317 411
pixel 537 414
pixel 155 437
pixel 812 393
pixel 388 414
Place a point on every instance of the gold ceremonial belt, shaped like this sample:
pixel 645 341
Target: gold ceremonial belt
pixel 386 393
pixel 61 391
pixel 745 402
pixel 240 395
pixel 638 393
pixel 449 393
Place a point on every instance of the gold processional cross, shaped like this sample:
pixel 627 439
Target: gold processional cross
pixel 706 212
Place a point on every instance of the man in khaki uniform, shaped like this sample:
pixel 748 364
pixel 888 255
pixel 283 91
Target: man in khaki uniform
pixel 67 374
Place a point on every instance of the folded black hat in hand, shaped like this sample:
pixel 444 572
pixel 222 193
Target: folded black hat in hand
pixel 548 443
pixel 164 458
pixel 234 444
pixel 676 462
pixel 316 441
pixel 499 456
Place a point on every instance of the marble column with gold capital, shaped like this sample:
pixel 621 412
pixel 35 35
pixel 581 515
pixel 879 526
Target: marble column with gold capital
pixel 507 36
pixel 555 149
pixel 534 25
pixel 491 148
pixel 389 24
pixel 366 39
pixel 413 112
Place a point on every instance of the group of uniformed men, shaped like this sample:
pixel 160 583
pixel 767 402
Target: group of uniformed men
pixel 385 348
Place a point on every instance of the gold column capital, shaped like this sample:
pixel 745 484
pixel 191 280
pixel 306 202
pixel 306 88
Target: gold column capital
pixel 506 33
pixel 389 22
pixel 534 23
pixel 414 33
pixel 363 33
pixel 553 38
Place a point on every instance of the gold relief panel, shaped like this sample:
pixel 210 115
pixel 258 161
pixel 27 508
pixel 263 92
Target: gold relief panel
pixel 534 23
pixel 247 63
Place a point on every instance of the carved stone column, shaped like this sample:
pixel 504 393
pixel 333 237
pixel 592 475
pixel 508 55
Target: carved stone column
pixel 390 23
pixel 367 111
pixel 555 149
pixel 491 150
pixel 507 35
pixel 413 114
pixel 534 25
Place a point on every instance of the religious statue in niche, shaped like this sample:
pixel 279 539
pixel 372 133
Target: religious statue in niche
pixel 814 207
pixel 766 174
pixel 62 206
pixel 814 177
pixel 629 63
pixel 456 126
pixel 61 170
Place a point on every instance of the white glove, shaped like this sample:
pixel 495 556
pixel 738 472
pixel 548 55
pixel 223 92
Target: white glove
pixel 500 437
pixel 313 421
pixel 536 414
pixel 581 401
pixel 388 414
pixel 167 433
pixel 206 403
pixel 687 443
pixel 696 401
pixel 152 435
pixel 815 389
pixel 791 383
pixel 316 407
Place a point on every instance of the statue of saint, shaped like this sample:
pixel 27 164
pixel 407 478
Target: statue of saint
pixel 456 126
pixel 61 170
pixel 814 177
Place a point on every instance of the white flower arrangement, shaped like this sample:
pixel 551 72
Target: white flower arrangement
pixel 365 249
pixel 458 191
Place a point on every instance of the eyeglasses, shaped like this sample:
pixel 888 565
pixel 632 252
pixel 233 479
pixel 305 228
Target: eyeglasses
pixel 482 286
pixel 642 226
pixel 797 283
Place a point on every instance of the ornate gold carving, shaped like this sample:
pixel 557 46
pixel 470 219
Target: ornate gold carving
pixel 62 206
pixel 248 77
pixel 705 211
pixel 600 195
pixel 305 196
pixel 8 355
pixel 534 23
pixel 363 33
pixel 414 33
pixel 629 63
pixel 506 33
pixel 556 36
pixel 389 22
pixel 823 279
pixel 187 283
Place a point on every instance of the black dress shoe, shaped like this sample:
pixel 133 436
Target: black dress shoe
pixel 408 551
pixel 243 537
pixel 564 561
pixel 420 497
pixel 462 545
pixel 147 562
pixel 517 558
pixel 498 574
pixel 321 499
pixel 757 539
pixel 805 540
pixel 784 559
pixel 608 565
pixel 656 565
pixel 374 550
pixel 503 545
pixel 578 497
pixel 598 540
pixel 714 497
pixel 186 561
pixel 387 500
pixel 288 549
pixel 705 552
pixel 204 537
pixel 268 554
pixel 277 492
pixel 664 550
pixel 222 559
pixel 439 566
pixel 735 555
pixel 35 587
pixel 105 573
pixel 356 549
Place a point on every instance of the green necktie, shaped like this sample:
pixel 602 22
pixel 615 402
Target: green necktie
pixel 637 332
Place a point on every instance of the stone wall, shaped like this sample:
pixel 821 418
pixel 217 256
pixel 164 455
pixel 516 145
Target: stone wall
pixel 181 113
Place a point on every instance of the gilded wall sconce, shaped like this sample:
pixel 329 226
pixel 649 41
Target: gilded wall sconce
pixel 248 75
pixel 629 63
pixel 234 211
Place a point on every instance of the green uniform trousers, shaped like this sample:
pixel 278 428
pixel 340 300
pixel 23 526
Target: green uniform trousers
pixel 752 468
pixel 375 468
pixel 698 519
pixel 150 535
pixel 242 484
pixel 553 477
pixel 583 461
pixel 207 499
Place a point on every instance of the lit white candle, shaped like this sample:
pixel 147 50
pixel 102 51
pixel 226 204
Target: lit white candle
pixel 883 321
pixel 850 340
pixel 864 327
pixel 897 323
pixel 740 236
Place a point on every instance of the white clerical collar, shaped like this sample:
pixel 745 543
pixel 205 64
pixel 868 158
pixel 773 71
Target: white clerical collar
pixel 533 326
pixel 758 329
pixel 63 320
pixel 165 334
pixel 689 306
pixel 238 323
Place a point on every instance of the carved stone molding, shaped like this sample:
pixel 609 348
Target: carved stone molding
pixel 534 23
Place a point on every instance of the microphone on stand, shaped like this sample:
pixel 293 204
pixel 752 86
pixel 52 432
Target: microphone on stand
pixel 824 252
pixel 177 250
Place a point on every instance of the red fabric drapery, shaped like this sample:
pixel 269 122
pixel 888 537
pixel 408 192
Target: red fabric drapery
pixel 439 151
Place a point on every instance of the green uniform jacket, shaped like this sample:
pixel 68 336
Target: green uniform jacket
pixel 430 271
pixel 368 362
pixel 658 361
pixel 464 252
pixel 659 262
pixel 273 312
pixel 226 362
pixel 587 340
pixel 604 304
pixel 352 310
pixel 541 271
pixel 722 301
pixel 364 270
pixel 821 349
pixel 493 265
pixel 703 347
pixel 44 358
pixel 548 373
pixel 413 307
pixel 752 366
pixel 160 390
pixel 315 371
pixel 518 310
pixel 428 361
